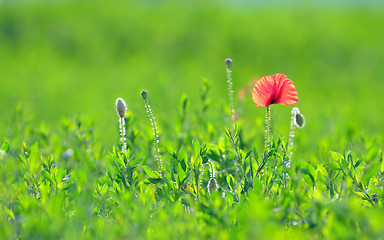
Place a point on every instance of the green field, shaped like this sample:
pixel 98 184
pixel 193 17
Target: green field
pixel 64 63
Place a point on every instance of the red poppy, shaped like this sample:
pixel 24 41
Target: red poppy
pixel 276 89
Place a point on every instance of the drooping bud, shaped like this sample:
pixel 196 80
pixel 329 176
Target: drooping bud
pixel 121 107
pixel 298 118
pixel 228 62
pixel 144 95
pixel 212 185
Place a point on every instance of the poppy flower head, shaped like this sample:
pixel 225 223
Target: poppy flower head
pixel 276 89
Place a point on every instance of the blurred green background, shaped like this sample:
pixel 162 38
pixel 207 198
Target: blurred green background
pixel 65 58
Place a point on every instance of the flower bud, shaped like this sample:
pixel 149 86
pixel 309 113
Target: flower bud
pixel 212 185
pixel 144 95
pixel 121 107
pixel 228 62
pixel 298 118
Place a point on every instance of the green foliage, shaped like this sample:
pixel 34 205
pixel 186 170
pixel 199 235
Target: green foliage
pixel 225 188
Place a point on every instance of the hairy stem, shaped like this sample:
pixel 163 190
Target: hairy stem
pixel 122 136
pixel 230 94
pixel 155 135
pixel 291 137
pixel 267 130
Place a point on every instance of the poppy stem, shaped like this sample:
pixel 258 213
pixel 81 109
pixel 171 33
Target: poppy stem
pixel 230 94
pixel 155 133
pixel 288 153
pixel 267 129
pixel 122 135
pixel 291 135
pixel 297 121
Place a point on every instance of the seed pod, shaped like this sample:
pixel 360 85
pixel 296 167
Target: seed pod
pixel 121 107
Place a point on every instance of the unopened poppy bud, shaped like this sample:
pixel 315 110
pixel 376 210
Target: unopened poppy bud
pixel 121 107
pixel 298 118
pixel 144 95
pixel 212 185
pixel 228 62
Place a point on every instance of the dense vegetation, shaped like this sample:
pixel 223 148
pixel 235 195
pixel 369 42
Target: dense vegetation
pixel 62 172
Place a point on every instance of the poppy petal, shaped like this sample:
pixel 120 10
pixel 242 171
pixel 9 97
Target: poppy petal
pixel 279 80
pixel 286 93
pixel 264 91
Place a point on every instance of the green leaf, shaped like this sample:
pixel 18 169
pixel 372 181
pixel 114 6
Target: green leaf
pixel 150 172
pixel 372 153
pixel 154 180
pixel 205 159
pixel 371 171
pixel 198 161
pixel 119 161
pixel 61 174
pixel 183 102
pixel 196 147
pixel 344 164
pixel 4 150
pixel 250 168
pixel 5 147
pixel 231 181
pixel 182 154
pixel 214 156
pixel 171 152
pixel 322 170
pixel 9 212
pixel 181 169
pixel 48 177
pixel 332 166
pixel 311 172
pixel 204 149
pixel 183 165
pixel 357 163
pixel 256 156
pixel 362 195
pixel 228 133
pixel 336 155
pixel 169 183
pixel 104 189
pixel 257 185
pixel 134 162
pixel 307 177
pixel 67 186
pixel 34 148
pixel 116 186
pixel 185 177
